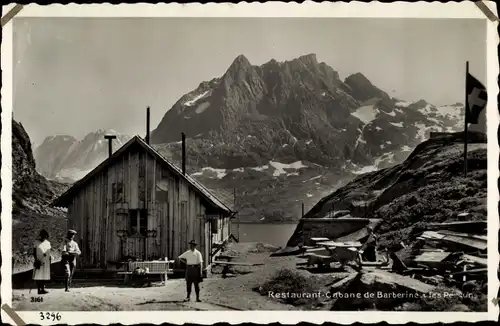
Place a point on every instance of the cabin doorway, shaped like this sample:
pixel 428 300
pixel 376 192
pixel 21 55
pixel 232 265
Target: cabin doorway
pixel 135 245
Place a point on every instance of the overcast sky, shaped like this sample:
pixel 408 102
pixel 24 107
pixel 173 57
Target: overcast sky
pixel 76 75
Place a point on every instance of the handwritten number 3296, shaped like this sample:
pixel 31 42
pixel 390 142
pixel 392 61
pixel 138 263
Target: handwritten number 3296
pixel 50 316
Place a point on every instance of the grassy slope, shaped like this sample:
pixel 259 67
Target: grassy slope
pixel 428 186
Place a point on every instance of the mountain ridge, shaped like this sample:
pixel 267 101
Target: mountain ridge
pixel 264 120
pixel 302 100
pixel 64 158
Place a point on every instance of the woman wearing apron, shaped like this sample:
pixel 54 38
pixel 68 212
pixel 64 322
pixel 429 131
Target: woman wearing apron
pixel 41 270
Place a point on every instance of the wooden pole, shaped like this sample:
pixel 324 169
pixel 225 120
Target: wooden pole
pixel 302 209
pixel 147 125
pixel 466 122
pixel 110 143
pixel 183 153
pixel 234 208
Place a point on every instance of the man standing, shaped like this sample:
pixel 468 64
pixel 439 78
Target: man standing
pixel 370 246
pixel 69 252
pixel 194 261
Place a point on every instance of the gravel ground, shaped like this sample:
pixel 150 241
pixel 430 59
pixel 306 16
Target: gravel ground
pixel 232 293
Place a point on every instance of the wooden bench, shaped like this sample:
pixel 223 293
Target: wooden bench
pixel 222 260
pixel 160 267
pixel 226 257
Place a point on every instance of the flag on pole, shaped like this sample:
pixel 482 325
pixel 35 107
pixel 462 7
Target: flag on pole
pixel 477 97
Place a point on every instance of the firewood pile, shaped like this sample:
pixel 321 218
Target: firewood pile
pixel 452 253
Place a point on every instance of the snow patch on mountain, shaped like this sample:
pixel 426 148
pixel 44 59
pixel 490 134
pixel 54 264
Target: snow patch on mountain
pixel 220 173
pixel 397 124
pixel 387 158
pixel 406 148
pixel 280 167
pixel 260 168
pixel 366 113
pixel 451 112
pixel 313 178
pixel 360 138
pixel 196 98
pixel 403 104
pixel 202 107
pixel 422 129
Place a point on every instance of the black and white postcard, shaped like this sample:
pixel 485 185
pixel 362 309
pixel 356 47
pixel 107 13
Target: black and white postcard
pixel 329 160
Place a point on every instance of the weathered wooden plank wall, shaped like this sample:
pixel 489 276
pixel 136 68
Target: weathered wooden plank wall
pixel 98 212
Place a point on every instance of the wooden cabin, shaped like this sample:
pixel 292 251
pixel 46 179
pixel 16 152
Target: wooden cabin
pixel 138 205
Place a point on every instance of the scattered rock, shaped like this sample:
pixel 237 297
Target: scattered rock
pixel 460 308
pixel 382 288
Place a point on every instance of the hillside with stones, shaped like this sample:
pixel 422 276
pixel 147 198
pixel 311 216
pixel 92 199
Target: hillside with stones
pixel 428 187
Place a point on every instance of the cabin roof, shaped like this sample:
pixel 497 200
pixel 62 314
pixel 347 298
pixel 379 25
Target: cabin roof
pixel 64 199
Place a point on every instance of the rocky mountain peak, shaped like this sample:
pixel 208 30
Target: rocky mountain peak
pixel 26 181
pixel 363 89
pixel 297 110
pixel 308 59
pixel 22 142
pixel 420 103
pixel 240 63
pixel 357 78
pixel 59 156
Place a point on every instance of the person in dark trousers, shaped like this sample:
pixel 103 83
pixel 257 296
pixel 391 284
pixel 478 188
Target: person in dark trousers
pixel 194 262
pixel 370 246
pixel 43 259
pixel 70 251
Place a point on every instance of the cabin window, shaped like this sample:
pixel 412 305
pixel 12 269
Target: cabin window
pixel 117 192
pixel 161 191
pixel 138 222
pixel 161 196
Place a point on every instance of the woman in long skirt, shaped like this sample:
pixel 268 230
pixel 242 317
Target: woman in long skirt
pixel 41 270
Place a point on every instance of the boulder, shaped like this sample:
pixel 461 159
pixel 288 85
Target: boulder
pixel 383 289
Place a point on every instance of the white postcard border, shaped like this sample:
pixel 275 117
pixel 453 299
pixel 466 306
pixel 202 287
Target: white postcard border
pixel 274 9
